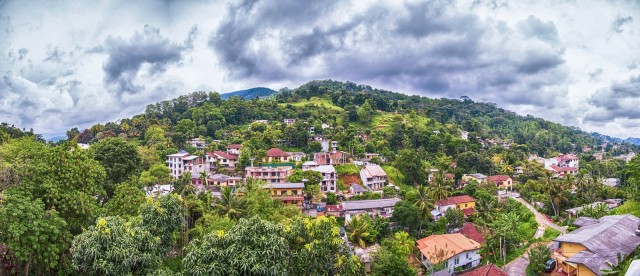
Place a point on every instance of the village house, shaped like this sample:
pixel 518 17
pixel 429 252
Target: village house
pixel 266 122
pixel 276 155
pixel 234 149
pixel 598 156
pixel 373 176
pixel 223 180
pixel 487 270
pixel 296 156
pixel 561 172
pixel 197 143
pixel 270 174
pixel 356 189
pixel 465 203
pixel 329 177
pixel 503 182
pixel 309 165
pixel 331 158
pixel 455 250
pixel 182 162
pixel 373 207
pixel 288 193
pixel 611 182
pixel 221 159
pixel 609 203
pixel 478 177
pixel 289 121
pixel 596 244
pixel 368 156
pixel 470 230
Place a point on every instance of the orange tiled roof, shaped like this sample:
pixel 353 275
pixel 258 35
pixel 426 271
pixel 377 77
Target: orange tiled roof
pixel 455 200
pixel 449 244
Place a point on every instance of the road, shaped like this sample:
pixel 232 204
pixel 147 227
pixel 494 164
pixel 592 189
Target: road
pixel 519 266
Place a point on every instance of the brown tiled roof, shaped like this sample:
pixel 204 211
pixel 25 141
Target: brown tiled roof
pixel 234 146
pixel 468 211
pixel 487 270
pixel 498 178
pixel 469 230
pixel 276 152
pixel 454 244
pixel 223 155
pixel 455 200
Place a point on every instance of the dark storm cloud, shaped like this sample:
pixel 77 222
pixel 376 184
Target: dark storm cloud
pixel 620 100
pixel 428 47
pixel 127 56
pixel 617 24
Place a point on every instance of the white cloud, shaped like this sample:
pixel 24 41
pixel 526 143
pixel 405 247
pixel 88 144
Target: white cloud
pixel 77 63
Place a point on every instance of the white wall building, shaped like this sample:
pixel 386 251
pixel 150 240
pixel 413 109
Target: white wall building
pixel 373 176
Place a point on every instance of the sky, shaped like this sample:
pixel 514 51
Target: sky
pixel 71 64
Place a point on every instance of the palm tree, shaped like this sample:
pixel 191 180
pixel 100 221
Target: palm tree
pixel 486 207
pixel 440 187
pixel 229 204
pixel 425 203
pixel 404 242
pixel 359 231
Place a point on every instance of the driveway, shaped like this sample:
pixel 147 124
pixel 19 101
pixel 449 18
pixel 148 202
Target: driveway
pixel 518 266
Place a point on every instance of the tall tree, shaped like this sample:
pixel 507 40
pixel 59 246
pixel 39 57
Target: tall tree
pixel 164 217
pixel 252 247
pixel 36 237
pixel 119 159
pixel 115 247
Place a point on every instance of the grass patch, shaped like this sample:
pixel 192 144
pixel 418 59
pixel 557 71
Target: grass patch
pixel 315 101
pixel 385 120
pixel 628 207
pixel 347 169
pixel 550 234
pixel 396 177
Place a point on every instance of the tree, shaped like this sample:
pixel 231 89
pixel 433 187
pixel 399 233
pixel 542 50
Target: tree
pixel 309 177
pixel 73 133
pixel 425 203
pixel 332 199
pixel 393 256
pixel 405 214
pixel 119 159
pixel 454 218
pixel 115 247
pixel 440 187
pixel 148 157
pixel 36 237
pixel 126 200
pixel 164 218
pixel 318 249
pixel 157 174
pixel 84 137
pixel 252 247
pixel 229 204
pixel 360 230
pixel 409 163
pixel 186 126
pixel 538 257
pixel 365 112
pixel 154 135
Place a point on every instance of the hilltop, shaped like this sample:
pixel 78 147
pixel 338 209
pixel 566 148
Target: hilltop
pixel 248 94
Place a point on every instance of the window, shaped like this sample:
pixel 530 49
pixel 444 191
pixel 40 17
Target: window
pixel 456 261
pixel 467 255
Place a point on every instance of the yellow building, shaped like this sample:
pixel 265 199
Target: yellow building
pixel 288 193
pixel 590 249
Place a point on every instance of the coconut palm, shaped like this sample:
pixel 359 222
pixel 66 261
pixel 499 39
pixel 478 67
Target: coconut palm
pixel 440 187
pixel 403 242
pixel 229 204
pixel 425 203
pixel 359 231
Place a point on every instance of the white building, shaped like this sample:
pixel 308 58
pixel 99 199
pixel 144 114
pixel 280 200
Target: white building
pixel 329 177
pixel 182 162
pixel 373 176
pixel 373 207
pixel 197 143
pixel 221 159
pixel 289 121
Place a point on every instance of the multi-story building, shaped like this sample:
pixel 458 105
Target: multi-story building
pixel 373 176
pixel 329 176
pixel 269 174
pixel 465 203
pixel 289 121
pixel 182 162
pixel 331 158
pixel 503 182
pixel 221 159
pixel 374 207
pixel 288 193
pixel 223 180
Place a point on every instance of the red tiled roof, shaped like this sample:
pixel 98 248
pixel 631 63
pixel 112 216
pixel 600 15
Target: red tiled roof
pixel 234 146
pixel 469 230
pixel 498 178
pixel 224 155
pixel 563 169
pixel 567 157
pixel 455 200
pixel 276 152
pixel 449 176
pixel 487 270
pixel 468 211
pixel 333 208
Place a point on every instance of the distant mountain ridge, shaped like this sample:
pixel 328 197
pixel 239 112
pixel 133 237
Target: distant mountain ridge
pixel 251 93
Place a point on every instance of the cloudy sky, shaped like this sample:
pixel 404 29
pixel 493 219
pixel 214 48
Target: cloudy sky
pixel 75 63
